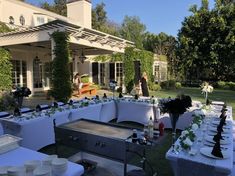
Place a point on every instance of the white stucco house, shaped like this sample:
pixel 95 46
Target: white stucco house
pixel 32 48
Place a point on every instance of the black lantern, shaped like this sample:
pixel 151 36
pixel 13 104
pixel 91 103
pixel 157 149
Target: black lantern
pixel 82 57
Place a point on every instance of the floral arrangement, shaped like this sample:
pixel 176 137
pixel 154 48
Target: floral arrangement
pixel 206 88
pixel 179 105
pixel 22 92
pixel 188 135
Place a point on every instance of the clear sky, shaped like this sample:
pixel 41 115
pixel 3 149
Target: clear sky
pixel 158 15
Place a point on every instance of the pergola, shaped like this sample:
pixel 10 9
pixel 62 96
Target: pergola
pixel 89 41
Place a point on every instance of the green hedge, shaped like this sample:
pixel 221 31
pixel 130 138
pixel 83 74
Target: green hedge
pixel 85 79
pixel 154 87
pixel 146 61
pixel 5 67
pixel 225 85
pixel 170 84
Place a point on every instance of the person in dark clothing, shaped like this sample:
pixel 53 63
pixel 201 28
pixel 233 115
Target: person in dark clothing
pixel 144 85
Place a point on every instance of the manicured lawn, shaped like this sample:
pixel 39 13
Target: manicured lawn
pixel 227 96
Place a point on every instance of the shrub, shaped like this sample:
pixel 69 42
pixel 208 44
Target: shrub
pixel 231 85
pixel 226 85
pixel 154 87
pixel 221 84
pixel 178 85
pixel 85 79
pixel 7 101
pixel 170 84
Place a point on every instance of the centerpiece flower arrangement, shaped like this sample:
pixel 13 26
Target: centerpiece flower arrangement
pixel 20 93
pixel 188 135
pixel 54 108
pixel 206 88
pixel 175 107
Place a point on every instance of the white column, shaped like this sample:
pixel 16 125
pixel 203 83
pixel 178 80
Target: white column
pixel 90 72
pixel 30 74
pixel 98 73
pixel 52 48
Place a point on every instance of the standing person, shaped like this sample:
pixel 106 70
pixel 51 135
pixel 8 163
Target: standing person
pixel 78 82
pixel 144 84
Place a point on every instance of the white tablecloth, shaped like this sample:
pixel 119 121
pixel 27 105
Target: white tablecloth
pixel 108 111
pixel 20 155
pixel 184 164
pixel 35 133
pixel 183 122
pixel 38 132
pixel 139 112
pixel 91 112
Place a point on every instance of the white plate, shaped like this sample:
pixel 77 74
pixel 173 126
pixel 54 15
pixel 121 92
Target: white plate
pixel 217 122
pixel 225 130
pixel 42 171
pixel 207 152
pixel 223 142
pixel 212 133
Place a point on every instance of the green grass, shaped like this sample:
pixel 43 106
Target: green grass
pixel 227 96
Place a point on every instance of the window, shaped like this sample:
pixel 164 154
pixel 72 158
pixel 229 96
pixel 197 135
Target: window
pixel 22 20
pixel 11 20
pixel 40 20
pixel 119 73
pixel 19 76
pixel 102 73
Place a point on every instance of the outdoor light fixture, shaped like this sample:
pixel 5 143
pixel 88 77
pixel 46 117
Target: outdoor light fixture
pixel 82 57
pixel 36 60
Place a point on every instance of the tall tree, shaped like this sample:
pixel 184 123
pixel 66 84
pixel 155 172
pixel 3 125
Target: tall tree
pixel 99 17
pixel 59 7
pixel 132 29
pixel 207 42
pixel 163 44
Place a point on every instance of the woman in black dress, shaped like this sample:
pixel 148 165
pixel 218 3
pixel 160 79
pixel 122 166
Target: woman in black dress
pixel 144 85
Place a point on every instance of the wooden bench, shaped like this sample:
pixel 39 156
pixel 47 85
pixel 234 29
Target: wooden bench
pixel 87 89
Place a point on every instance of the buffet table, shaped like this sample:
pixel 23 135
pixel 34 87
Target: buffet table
pixel 20 155
pixel 38 132
pixel 201 163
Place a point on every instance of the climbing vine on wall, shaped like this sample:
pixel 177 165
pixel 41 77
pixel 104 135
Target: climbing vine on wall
pixel 109 58
pixel 146 61
pixel 5 64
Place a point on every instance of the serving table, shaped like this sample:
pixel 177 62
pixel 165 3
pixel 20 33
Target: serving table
pixel 102 139
pixel 185 163
pixel 20 155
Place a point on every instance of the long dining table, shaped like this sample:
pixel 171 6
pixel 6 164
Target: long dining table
pixel 201 161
